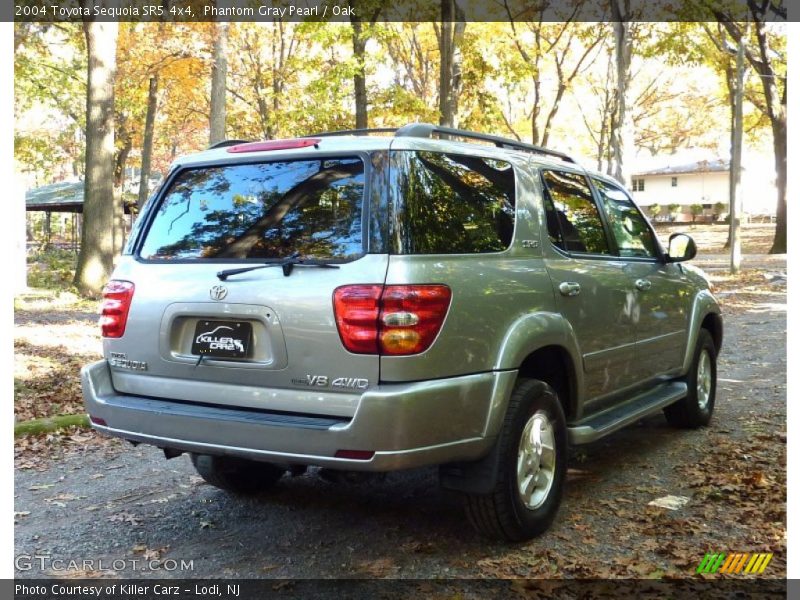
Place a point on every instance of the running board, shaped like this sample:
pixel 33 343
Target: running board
pixel 608 421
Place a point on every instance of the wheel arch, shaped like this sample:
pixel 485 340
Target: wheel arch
pixel 543 346
pixel 706 314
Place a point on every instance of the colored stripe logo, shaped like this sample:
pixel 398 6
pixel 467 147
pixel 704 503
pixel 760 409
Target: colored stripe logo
pixel 735 563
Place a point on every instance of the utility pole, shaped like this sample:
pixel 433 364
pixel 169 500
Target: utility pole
pixel 736 159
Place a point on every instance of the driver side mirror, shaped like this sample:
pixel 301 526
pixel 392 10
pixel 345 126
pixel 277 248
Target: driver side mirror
pixel 681 248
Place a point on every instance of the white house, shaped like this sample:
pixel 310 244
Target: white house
pixel 704 182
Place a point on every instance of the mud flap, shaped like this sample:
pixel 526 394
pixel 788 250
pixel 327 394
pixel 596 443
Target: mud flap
pixel 474 477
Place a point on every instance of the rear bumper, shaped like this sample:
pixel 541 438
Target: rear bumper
pixel 405 425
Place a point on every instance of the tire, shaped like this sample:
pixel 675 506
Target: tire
pixel 237 475
pixel 696 408
pixel 503 513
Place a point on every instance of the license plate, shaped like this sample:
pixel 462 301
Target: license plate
pixel 222 339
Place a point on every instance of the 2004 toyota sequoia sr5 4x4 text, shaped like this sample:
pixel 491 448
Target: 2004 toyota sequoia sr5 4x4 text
pixel 374 303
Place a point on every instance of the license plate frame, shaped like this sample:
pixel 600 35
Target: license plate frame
pixel 222 339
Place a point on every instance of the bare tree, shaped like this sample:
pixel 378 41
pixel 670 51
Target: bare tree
pixel 96 259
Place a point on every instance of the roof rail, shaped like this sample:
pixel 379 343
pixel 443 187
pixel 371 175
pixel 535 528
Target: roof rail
pixel 226 143
pixel 355 132
pixel 428 130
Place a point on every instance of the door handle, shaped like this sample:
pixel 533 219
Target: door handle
pixel 569 288
pixel 643 284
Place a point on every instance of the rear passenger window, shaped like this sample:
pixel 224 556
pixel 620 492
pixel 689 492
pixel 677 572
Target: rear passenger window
pixel 451 203
pixel 631 232
pixel 573 222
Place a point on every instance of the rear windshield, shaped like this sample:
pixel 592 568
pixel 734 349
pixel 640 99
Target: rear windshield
pixel 261 211
pixel 451 203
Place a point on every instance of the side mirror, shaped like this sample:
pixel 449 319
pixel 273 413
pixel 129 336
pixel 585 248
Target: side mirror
pixel 681 248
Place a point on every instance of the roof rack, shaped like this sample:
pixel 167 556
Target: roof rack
pixel 355 132
pixel 427 130
pixel 226 143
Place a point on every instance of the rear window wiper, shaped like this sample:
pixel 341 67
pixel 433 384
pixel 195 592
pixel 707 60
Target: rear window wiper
pixel 288 264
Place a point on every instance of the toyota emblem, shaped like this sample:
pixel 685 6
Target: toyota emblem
pixel 218 292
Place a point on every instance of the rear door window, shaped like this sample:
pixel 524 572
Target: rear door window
pixel 267 210
pixel 573 221
pixel 451 203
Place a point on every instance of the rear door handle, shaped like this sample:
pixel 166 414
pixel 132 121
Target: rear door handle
pixel 643 284
pixel 569 288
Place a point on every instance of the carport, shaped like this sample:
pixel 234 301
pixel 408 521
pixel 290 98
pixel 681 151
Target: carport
pixel 62 197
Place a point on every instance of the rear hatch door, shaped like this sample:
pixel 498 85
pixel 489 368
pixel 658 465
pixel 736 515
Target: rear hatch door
pixel 284 233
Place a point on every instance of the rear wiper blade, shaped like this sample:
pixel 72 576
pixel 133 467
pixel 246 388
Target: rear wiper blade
pixel 288 264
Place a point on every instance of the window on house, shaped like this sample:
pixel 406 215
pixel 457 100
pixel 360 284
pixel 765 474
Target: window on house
pixel 674 182
pixel 638 185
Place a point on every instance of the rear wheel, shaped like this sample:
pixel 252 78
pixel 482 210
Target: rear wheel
pixel 532 467
pixel 237 475
pixel 696 408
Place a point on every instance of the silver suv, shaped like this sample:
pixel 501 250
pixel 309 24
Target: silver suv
pixel 375 303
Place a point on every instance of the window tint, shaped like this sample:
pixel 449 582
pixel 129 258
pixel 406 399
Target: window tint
pixel 573 222
pixel 451 203
pixel 630 230
pixel 263 210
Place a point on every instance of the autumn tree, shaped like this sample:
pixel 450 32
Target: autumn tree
pixel 96 259
pixel 769 63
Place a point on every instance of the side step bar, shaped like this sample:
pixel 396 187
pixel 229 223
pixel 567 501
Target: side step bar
pixel 601 424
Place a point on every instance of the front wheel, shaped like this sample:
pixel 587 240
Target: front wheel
pixel 696 408
pixel 532 468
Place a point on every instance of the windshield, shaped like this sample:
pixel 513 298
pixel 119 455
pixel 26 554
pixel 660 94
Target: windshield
pixel 310 208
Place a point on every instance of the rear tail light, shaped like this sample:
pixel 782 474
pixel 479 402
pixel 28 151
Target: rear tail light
pixel 395 320
pixel 117 296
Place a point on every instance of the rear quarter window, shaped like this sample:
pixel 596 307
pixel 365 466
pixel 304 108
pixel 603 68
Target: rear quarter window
pixel 261 211
pixel 451 203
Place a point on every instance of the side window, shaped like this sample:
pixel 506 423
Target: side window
pixel 573 222
pixel 633 236
pixel 451 203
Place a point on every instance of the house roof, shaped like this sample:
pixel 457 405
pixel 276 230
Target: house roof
pixel 702 166
pixel 65 196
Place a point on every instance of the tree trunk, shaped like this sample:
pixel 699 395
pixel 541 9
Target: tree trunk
pixel 147 144
pixel 96 258
pixel 622 129
pixel 779 144
pixel 736 165
pixel 219 77
pixel 120 161
pixel 452 32
pixel 360 75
